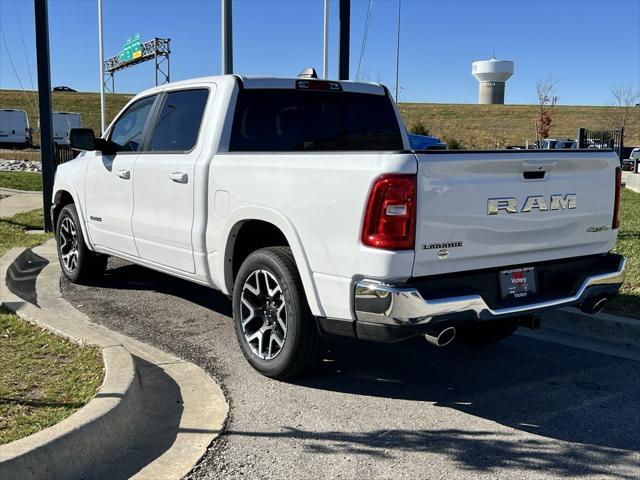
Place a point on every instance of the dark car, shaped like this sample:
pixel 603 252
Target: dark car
pixel 62 88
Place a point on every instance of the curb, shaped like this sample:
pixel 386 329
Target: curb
pixel 602 326
pixel 154 416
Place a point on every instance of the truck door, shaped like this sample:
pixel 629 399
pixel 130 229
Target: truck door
pixel 164 181
pixel 109 181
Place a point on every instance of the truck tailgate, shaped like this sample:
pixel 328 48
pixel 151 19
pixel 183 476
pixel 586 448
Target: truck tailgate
pixel 508 208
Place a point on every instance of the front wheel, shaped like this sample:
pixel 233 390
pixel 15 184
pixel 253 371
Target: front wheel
pixel 79 264
pixel 274 325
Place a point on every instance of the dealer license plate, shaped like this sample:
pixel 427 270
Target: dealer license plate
pixel 518 282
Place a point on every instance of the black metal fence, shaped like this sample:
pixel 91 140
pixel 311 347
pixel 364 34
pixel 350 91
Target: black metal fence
pixel 612 139
pixel 63 154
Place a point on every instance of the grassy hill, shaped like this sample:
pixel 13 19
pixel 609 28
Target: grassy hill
pixel 473 126
pixel 489 126
pixel 86 104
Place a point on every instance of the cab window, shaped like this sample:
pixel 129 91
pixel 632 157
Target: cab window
pixel 127 132
pixel 179 121
pixel 294 120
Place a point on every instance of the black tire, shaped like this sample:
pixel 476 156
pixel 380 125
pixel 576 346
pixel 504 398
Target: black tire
pixel 301 339
pixel 88 265
pixel 487 332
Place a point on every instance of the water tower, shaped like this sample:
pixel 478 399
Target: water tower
pixel 492 75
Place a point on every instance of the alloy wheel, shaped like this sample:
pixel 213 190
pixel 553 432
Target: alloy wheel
pixel 263 314
pixel 69 244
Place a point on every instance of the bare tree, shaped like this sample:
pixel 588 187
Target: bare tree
pixel 547 100
pixel 624 113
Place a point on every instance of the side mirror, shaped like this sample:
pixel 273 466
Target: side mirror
pixel 85 140
pixel 82 139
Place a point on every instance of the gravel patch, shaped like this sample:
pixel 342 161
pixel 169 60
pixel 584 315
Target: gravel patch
pixel 19 166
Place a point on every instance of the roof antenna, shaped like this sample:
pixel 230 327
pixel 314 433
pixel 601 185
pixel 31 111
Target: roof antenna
pixel 494 54
pixel 308 73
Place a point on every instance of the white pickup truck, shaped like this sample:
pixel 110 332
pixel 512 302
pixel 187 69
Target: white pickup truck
pixel 302 200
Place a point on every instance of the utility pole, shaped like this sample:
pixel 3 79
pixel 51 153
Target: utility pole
pixel 44 98
pixel 345 31
pixel 227 37
pixel 103 118
pixel 325 42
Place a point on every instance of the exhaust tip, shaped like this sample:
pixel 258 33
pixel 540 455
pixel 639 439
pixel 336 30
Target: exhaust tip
pixel 443 338
pixel 594 306
pixel 600 304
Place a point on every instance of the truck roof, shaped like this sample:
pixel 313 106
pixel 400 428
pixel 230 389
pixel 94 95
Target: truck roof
pixel 267 82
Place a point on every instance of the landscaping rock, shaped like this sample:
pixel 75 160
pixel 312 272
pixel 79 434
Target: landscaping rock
pixel 19 166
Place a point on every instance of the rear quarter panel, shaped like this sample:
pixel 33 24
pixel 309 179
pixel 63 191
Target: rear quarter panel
pixel 322 197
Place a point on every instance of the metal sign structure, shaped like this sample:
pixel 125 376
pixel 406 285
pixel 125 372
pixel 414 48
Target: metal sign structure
pixel 135 52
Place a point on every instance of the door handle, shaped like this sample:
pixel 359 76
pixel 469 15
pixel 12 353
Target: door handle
pixel 126 174
pixel 179 177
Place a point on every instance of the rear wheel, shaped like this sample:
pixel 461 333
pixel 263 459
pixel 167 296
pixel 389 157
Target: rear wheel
pixel 487 332
pixel 274 325
pixel 79 264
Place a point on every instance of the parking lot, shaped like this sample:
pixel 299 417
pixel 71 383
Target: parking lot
pixel 521 409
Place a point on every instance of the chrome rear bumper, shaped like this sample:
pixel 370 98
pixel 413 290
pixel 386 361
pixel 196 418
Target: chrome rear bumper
pixel 380 303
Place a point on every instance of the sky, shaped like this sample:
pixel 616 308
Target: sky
pixel 588 46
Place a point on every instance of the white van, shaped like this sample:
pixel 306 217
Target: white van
pixel 63 122
pixel 14 128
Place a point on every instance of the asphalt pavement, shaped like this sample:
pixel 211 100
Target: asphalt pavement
pixel 522 408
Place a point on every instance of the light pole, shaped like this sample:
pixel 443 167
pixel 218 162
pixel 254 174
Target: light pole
pixel 227 37
pixel 398 53
pixel 103 120
pixel 325 42
pixel 44 99
pixel 345 32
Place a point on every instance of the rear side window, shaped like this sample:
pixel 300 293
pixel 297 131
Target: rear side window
pixel 179 121
pixel 126 134
pixel 293 120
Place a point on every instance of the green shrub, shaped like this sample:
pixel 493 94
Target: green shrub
pixel 419 128
pixel 452 143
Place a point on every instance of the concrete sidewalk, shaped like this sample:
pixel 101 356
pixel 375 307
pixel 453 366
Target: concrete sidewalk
pixel 18 201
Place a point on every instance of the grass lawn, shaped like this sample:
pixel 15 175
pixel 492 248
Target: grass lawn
pixel 45 378
pixel 13 230
pixel 31 181
pixel 628 303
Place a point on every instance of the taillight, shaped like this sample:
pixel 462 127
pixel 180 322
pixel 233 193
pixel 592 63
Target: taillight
pixel 390 218
pixel 616 203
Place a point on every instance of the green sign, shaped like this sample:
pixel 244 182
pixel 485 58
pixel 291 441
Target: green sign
pixel 131 49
